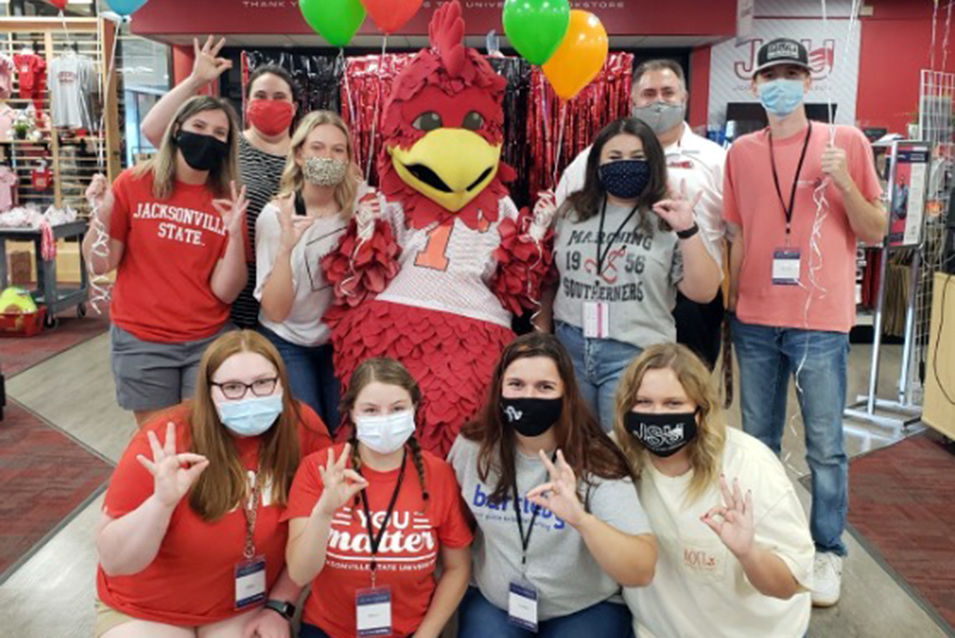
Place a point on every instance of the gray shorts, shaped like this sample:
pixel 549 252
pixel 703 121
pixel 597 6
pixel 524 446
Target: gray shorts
pixel 151 375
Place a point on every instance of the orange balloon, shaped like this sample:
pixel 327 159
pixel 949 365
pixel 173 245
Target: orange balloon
pixel 580 56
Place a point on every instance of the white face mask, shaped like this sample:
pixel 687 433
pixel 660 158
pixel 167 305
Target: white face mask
pixel 385 434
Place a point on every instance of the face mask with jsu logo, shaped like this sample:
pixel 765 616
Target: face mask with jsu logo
pixel 531 417
pixel 662 434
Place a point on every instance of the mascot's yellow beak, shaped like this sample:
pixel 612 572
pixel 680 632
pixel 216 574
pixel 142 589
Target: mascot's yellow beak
pixel 450 166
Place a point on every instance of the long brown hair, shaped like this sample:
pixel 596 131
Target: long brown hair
pixel 224 484
pixel 163 165
pixel 706 450
pixel 587 203
pixel 586 448
pixel 388 372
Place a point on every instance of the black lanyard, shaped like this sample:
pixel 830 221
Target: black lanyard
pixel 525 539
pixel 375 541
pixel 792 196
pixel 600 235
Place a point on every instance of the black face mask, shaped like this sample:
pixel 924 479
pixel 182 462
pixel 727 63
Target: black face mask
pixel 662 434
pixel 625 179
pixel 531 417
pixel 201 152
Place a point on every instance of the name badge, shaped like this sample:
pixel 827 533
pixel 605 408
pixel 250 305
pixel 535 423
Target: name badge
pixel 596 319
pixel 250 583
pixel 786 267
pixel 522 606
pixel 373 611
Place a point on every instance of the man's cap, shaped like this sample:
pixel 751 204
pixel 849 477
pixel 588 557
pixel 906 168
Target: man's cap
pixel 781 51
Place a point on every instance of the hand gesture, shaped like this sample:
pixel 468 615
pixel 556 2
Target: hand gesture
pixel 560 494
pixel 99 194
pixel 339 484
pixel 733 523
pixel 292 226
pixel 835 165
pixel 678 210
pixel 173 474
pixel 544 211
pixel 233 210
pixel 369 211
pixel 266 623
pixel 207 66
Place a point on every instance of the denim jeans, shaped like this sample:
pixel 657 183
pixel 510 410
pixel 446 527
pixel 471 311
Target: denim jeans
pixel 311 376
pixel 310 631
pixel 478 618
pixel 598 365
pixel 767 356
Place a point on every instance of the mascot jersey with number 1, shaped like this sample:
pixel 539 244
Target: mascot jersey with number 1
pixel 450 258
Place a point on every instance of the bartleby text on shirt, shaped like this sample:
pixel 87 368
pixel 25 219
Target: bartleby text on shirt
pixel 505 510
pixel 176 222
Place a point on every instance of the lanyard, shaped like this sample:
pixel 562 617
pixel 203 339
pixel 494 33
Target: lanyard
pixel 525 538
pixel 792 197
pixel 250 511
pixel 600 236
pixel 375 541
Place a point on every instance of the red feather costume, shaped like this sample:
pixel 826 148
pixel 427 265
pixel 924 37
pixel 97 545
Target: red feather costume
pixel 451 258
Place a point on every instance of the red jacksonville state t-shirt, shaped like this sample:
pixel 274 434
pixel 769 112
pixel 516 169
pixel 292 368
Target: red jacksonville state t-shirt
pixel 191 581
pixel 409 548
pixel 163 290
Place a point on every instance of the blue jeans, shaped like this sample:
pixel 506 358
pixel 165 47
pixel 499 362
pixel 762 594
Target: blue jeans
pixel 767 356
pixel 598 365
pixel 311 631
pixel 311 376
pixel 478 618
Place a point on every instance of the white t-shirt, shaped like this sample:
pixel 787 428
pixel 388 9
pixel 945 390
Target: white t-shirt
pixel 694 161
pixel 312 294
pixel 699 589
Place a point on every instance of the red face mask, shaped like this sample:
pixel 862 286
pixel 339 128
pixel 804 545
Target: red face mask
pixel 272 117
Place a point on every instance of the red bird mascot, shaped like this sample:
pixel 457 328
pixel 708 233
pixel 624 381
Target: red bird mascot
pixel 435 264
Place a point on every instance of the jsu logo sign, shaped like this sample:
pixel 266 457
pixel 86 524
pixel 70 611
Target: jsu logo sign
pixel 821 58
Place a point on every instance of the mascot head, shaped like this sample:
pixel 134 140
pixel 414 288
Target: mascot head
pixel 443 131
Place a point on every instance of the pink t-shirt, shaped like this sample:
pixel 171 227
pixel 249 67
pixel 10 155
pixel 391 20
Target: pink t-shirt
pixel 750 200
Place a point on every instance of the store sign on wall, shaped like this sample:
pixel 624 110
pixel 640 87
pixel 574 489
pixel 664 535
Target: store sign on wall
pixel 833 69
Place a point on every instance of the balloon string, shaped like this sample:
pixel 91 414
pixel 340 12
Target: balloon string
pixel 378 97
pixel 560 142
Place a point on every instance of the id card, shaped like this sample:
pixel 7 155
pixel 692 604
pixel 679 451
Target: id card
pixel 596 319
pixel 786 267
pixel 522 606
pixel 373 611
pixel 250 583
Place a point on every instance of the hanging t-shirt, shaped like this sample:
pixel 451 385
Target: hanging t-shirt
pixel 7 117
pixel 312 295
pixel 699 588
pixel 409 548
pixel 31 71
pixel 567 577
pixel 6 80
pixel 72 81
pixel 171 248
pixel 8 188
pixel 261 173
pixel 639 277
pixel 192 581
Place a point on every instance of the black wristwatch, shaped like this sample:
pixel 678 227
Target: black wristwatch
pixel 689 232
pixel 284 609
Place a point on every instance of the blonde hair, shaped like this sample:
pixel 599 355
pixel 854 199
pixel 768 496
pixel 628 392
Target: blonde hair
pixel 224 484
pixel 163 164
pixel 292 177
pixel 706 450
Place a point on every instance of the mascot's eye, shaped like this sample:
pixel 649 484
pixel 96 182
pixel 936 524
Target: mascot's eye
pixel 473 121
pixel 427 121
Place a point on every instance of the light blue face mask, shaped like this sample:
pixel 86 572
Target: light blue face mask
pixel 250 417
pixel 780 97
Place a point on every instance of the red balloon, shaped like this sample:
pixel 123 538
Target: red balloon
pixel 391 15
pixel 59 4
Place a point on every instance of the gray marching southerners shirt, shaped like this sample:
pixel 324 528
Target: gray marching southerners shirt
pixel 567 577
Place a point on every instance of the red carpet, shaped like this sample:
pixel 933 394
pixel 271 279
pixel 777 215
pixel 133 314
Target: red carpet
pixel 45 476
pixel 16 355
pixel 902 503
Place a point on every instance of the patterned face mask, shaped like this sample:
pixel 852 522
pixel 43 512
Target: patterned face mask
pixel 325 171
pixel 661 434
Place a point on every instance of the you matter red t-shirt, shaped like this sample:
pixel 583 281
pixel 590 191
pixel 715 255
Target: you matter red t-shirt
pixel 163 290
pixel 191 580
pixel 409 548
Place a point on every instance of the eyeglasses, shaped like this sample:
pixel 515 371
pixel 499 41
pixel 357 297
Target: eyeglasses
pixel 238 390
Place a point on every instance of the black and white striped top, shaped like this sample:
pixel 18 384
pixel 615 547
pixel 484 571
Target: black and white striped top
pixel 261 173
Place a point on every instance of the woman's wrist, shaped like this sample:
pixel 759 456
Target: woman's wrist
pixel 688 232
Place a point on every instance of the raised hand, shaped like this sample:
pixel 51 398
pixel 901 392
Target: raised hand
pixel 173 474
pixel 369 211
pixel 544 211
pixel 233 209
pixel 292 226
pixel 208 67
pixel 836 166
pixel 560 494
pixel 339 484
pixel 98 193
pixel 678 210
pixel 733 523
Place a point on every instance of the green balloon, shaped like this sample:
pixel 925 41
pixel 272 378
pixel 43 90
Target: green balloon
pixel 536 27
pixel 335 20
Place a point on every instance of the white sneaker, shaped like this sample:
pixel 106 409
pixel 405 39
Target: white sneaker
pixel 827 579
